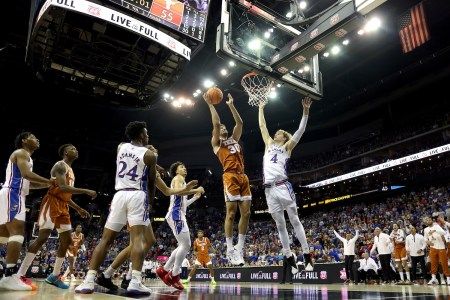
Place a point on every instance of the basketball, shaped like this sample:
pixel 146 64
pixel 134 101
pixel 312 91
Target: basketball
pixel 215 95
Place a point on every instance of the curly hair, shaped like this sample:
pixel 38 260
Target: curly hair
pixel 174 167
pixel 21 136
pixel 134 129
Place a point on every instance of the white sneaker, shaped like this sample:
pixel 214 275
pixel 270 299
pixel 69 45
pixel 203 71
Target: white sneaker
pixel 72 277
pixel 137 288
pixel 87 287
pixel 240 254
pixel 14 283
pixel 234 257
pixel 433 281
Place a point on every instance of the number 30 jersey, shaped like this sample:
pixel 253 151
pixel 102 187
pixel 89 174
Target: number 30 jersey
pixel 275 164
pixel 131 170
pixel 230 155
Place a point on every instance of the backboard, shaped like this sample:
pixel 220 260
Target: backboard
pixel 252 37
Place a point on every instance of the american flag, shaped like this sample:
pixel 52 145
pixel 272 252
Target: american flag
pixel 413 28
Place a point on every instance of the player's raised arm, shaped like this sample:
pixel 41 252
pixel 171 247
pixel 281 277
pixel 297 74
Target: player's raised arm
pixel 306 102
pixel 237 130
pixel 215 121
pixel 263 127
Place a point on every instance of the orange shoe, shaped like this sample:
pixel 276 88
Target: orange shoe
pixel 27 281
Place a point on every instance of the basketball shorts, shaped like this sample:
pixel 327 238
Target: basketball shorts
pixel 72 253
pixel 12 205
pixel 177 226
pixel 400 254
pixel 236 187
pixel 203 260
pixel 280 196
pixel 128 206
pixel 54 213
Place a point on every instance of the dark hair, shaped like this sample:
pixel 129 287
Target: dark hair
pixel 79 225
pixel 21 136
pixel 62 149
pixel 174 167
pixel 134 129
pixel 200 231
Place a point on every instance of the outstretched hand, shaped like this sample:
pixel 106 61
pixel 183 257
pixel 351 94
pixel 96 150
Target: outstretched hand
pixel 191 184
pixel 230 100
pixel 306 102
pixel 206 98
pixel 262 105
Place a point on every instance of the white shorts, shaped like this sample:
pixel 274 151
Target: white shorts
pixel 12 205
pixel 178 226
pixel 128 206
pixel 279 197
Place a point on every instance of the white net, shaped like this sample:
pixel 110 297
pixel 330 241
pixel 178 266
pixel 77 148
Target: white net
pixel 257 87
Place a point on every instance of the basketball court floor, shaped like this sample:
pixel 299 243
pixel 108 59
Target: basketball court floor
pixel 231 291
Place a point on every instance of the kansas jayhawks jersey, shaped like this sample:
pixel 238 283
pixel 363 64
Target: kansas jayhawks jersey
pixel 131 168
pixel 275 164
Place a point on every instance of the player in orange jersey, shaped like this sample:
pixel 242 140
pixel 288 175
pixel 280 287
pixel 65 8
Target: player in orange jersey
pixel 235 183
pixel 54 213
pixel 72 252
pixel 201 247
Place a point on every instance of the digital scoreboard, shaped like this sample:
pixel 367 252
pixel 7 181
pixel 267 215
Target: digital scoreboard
pixel 187 17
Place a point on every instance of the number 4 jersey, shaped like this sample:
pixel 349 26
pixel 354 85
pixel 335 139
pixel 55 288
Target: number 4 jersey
pixel 275 164
pixel 230 156
pixel 131 170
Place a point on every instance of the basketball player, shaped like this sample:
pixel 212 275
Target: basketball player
pixel 19 179
pixel 401 258
pixel 129 205
pixel 72 252
pixel 434 236
pixel 54 213
pixel 201 246
pixel 176 217
pixel 104 279
pixel 279 193
pixel 235 182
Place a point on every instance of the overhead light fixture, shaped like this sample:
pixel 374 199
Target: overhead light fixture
pixel 254 44
pixel 267 34
pixel 232 63
pixel 345 42
pixel 224 72
pixel 326 54
pixel 335 50
pixel 361 32
pixel 302 4
pixel 208 83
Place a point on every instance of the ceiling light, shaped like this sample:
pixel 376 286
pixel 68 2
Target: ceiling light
pixel 181 100
pixel 267 34
pixel 303 5
pixel 361 31
pixel 335 50
pixel 208 83
pixel 254 44
pixel 278 85
pixel 273 94
pixel 326 54
pixel 345 42
pixel 189 102
pixel 300 71
pixel 176 103
pixel 289 15
pixel 306 68
pixel 232 63
pixel 223 72
pixel 166 95
pixel 372 25
pixel 195 94
pixel 198 91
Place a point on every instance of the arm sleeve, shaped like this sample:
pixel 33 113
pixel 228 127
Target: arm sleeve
pixel 439 230
pixel 83 247
pixel 301 129
pixel 190 201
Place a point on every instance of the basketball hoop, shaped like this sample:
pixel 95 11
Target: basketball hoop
pixel 257 87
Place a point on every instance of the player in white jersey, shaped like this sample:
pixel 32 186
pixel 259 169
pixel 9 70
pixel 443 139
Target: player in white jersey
pixel 279 193
pixel 19 179
pixel 129 205
pixel 176 217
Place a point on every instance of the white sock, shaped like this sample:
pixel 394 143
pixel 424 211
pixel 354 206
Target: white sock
pixel 136 276
pixel 109 272
pixel 408 276
pixel 128 277
pixel 66 272
pixel 229 244
pixel 58 263
pixel 90 277
pixel 26 263
pixel 442 277
pixel 212 278
pixel 189 277
pixel 241 241
pixel 401 276
pixel 433 276
pixel 10 265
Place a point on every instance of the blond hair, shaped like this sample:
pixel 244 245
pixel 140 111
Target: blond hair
pixel 286 134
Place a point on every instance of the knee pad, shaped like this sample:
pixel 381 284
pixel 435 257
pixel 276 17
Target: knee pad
pixel 3 240
pixel 16 238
